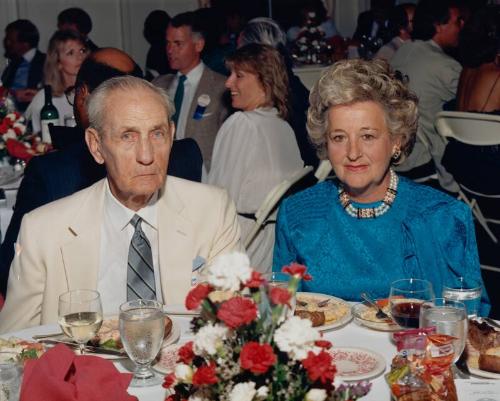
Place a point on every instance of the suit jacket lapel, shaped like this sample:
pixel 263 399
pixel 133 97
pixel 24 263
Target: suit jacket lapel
pixel 202 88
pixel 174 242
pixel 81 251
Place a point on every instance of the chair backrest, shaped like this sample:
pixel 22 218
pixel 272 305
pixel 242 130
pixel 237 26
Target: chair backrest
pixel 271 201
pixel 470 128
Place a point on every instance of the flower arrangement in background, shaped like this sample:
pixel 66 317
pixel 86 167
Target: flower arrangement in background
pixel 246 345
pixel 310 47
pixel 16 142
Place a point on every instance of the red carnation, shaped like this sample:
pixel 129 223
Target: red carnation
pixel 237 311
pixel 257 358
pixel 320 367
pixel 18 150
pixel 295 269
pixel 205 374
pixel 255 281
pixel 280 296
pixel 186 353
pixel 169 380
pixel 196 296
pixel 323 344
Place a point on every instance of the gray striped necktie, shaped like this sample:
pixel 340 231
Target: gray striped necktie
pixel 140 271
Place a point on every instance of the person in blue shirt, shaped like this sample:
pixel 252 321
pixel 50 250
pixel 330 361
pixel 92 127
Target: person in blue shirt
pixel 370 227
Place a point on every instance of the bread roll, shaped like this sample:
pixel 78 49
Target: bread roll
pixel 490 360
pixel 317 318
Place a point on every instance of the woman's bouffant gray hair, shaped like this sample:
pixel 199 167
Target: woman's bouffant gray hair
pixel 351 81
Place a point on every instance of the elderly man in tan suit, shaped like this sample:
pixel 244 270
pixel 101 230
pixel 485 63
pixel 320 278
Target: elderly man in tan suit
pixel 197 91
pixel 88 240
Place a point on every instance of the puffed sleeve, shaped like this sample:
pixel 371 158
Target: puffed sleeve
pixel 457 240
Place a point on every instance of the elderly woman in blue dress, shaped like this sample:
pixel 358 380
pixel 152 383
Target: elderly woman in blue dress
pixel 370 227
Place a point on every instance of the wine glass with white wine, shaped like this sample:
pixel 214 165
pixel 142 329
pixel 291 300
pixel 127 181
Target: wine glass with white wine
pixel 80 315
pixel 142 326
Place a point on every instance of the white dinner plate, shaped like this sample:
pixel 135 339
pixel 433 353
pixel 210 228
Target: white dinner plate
pixel 357 363
pixel 167 359
pixel 484 373
pixel 340 322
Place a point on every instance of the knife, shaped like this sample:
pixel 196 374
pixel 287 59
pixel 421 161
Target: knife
pixel 88 348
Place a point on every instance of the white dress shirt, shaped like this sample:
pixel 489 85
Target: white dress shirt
pixel 190 85
pixel 116 234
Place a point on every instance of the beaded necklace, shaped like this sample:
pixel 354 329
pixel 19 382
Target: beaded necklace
pixel 370 212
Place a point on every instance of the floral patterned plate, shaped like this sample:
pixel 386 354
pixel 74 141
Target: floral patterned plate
pixel 357 363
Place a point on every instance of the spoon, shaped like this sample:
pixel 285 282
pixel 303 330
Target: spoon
pixel 380 313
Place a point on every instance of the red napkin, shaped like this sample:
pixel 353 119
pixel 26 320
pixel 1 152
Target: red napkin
pixel 60 375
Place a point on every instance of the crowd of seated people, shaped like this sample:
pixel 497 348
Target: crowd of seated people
pixel 478 92
pixel 246 132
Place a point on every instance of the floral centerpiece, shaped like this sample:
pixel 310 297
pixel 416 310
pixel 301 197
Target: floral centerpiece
pixel 16 142
pixel 247 346
pixel 310 47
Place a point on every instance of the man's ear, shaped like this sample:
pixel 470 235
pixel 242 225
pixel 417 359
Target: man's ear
pixel 172 131
pixel 199 44
pixel 94 144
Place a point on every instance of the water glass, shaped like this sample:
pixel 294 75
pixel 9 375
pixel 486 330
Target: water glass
pixel 280 280
pixel 465 290
pixel 10 381
pixel 142 327
pixel 449 317
pixel 80 315
pixel 405 298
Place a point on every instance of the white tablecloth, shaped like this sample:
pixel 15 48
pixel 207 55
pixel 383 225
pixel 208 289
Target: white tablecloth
pixel 351 335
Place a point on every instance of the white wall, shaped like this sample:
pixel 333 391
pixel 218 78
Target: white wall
pixel 117 23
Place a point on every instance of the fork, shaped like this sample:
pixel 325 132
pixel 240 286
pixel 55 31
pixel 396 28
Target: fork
pixel 380 313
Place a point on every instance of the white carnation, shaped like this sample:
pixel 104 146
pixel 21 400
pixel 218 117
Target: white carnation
pixel 10 134
pixel 296 337
pixel 243 392
pixel 209 338
pixel 21 127
pixel 262 393
pixel 183 373
pixel 197 397
pixel 315 394
pixel 229 271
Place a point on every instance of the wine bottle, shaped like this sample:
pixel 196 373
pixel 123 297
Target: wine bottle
pixel 48 114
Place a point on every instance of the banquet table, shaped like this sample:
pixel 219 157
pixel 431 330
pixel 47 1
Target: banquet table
pixel 350 335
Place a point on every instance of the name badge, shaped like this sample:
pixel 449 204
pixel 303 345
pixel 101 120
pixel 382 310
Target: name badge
pixel 203 102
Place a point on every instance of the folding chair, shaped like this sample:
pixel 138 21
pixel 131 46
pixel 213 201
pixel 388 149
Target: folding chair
pixel 472 129
pixel 268 207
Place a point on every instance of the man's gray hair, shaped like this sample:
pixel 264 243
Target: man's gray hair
pixel 96 102
pixel 264 31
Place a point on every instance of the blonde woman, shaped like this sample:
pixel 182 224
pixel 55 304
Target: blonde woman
pixel 65 55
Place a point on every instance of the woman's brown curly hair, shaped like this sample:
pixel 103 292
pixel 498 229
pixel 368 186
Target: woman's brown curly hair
pixel 268 65
pixel 351 81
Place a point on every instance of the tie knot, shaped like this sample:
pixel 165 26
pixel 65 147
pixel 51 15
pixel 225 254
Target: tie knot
pixel 135 221
pixel 182 78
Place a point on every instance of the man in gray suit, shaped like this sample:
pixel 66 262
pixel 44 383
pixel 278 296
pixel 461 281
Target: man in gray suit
pixel 196 90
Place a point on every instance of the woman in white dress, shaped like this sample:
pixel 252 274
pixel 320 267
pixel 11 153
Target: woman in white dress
pixel 255 148
pixel 65 55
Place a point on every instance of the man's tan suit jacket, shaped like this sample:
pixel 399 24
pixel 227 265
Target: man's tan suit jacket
pixel 60 247
pixel 204 130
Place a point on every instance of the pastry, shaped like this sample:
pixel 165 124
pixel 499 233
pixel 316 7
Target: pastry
pixel 317 318
pixel 482 336
pixel 490 360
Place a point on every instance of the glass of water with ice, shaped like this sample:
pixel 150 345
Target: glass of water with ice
pixel 464 290
pixel 142 326
pixel 449 317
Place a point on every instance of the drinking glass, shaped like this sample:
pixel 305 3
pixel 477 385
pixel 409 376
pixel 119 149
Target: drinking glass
pixel 142 326
pixel 280 280
pixel 465 290
pixel 449 317
pixel 80 315
pixel 406 297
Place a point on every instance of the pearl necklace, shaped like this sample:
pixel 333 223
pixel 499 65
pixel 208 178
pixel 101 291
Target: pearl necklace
pixel 370 212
